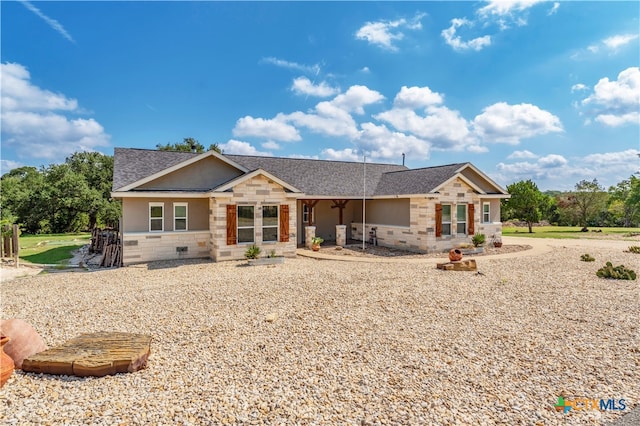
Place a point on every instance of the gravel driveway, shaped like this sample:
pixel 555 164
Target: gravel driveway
pixel 333 342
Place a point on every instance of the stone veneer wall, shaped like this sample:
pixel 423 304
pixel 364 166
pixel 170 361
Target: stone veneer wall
pixel 257 191
pixel 149 246
pixel 420 235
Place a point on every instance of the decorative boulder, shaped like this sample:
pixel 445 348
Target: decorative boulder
pixel 24 340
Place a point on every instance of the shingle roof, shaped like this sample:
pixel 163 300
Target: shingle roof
pixel 416 181
pixel 321 177
pixel 313 177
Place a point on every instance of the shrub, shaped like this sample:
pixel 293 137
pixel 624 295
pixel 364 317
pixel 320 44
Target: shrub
pixel 587 258
pixel 478 240
pixel 252 252
pixel 634 249
pixel 317 240
pixel 616 272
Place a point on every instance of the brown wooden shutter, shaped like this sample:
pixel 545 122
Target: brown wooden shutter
pixel 232 225
pixel 284 223
pixel 470 220
pixel 438 220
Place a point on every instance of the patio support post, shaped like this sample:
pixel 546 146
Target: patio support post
pixel 341 235
pixel 309 234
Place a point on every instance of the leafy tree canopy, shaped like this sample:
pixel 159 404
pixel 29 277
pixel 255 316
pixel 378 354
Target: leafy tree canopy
pixel 188 145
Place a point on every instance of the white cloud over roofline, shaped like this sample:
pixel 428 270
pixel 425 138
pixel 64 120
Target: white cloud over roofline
pixel 237 147
pixel 276 128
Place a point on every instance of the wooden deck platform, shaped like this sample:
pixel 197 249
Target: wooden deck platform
pixel 93 354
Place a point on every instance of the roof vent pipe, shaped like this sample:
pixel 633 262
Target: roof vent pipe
pixel 403 158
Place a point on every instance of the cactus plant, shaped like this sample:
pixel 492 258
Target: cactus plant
pixel 587 258
pixel 616 272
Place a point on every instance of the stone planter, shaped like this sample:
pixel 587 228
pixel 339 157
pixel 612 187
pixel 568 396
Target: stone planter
pixel 266 261
pixel 471 251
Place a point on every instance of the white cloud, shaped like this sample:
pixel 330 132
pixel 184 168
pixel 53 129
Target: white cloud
pixel 276 129
pixel 507 7
pixel 456 42
pixel 554 9
pixel 616 102
pixel 365 70
pixel 57 26
pixel 516 155
pixel 282 63
pixel 241 148
pixel 442 127
pixel 327 119
pixel 616 41
pixel 385 33
pixel 8 165
pixel 356 98
pixel 33 123
pixel 556 172
pixel 416 97
pixel 380 143
pixel 18 94
pixel 304 86
pixel 579 87
pixel 506 123
pixel 623 159
pixel 270 145
pixel 347 154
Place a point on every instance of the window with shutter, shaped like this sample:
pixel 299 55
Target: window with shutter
pixel 438 220
pixel 470 220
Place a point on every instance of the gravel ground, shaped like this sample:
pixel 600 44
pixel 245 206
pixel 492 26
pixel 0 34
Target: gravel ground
pixel 329 342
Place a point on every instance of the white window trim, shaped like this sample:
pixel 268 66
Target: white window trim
pixel 186 217
pixel 277 225
pixel 155 204
pixel 464 220
pixel 450 220
pixel 488 213
pixel 238 227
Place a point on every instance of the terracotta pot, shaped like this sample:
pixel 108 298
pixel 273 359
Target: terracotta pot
pixel 24 340
pixel 315 247
pixel 455 255
pixel 497 245
pixel 6 363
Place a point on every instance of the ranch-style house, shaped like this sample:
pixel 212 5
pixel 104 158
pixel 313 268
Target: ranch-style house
pixel 178 205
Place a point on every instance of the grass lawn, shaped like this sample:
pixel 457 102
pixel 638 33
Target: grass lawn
pixel 569 232
pixel 51 248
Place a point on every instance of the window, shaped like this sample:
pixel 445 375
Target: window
pixel 269 223
pixel 461 219
pixel 486 213
pixel 156 217
pixel 305 214
pixel 245 224
pixel 180 216
pixel 446 219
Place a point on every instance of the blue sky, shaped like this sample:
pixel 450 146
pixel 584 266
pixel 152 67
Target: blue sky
pixel 548 91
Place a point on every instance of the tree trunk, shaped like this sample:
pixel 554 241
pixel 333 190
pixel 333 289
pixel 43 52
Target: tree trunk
pixel 530 227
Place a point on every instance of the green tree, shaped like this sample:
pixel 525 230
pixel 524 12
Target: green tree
pixel 188 145
pixel 525 202
pixel 97 170
pixel 624 201
pixel 589 200
pixel 23 190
